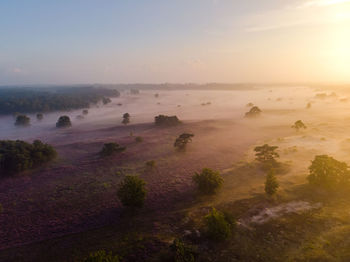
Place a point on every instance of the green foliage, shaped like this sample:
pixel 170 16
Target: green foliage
pixel 132 191
pixel 109 149
pixel 163 120
pixel 17 156
pixel 51 99
pixel 299 125
pixel 22 120
pixel 101 256
pixel 253 112
pixel 182 252
pixel 39 116
pixel 266 155
pixel 126 119
pixel 208 181
pixel 63 122
pixel 271 184
pixel 138 139
pixel 218 227
pixel 325 171
pixel 182 141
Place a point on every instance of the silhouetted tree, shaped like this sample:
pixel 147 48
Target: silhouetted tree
pixel 299 125
pixel 39 116
pixel 132 192
pixel 22 120
pixel 253 112
pixel 85 112
pixel 126 119
pixel 182 141
pixel 325 171
pixel 163 120
pixel 63 122
pixel 266 154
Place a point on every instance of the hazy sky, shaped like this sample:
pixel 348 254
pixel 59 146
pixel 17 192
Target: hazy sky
pixel 118 41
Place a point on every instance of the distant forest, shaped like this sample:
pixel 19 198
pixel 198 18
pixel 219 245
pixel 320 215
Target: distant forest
pixel 33 100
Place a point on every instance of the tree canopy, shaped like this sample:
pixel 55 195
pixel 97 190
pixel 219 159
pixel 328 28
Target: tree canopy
pixel 182 141
pixel 253 112
pixel 63 121
pixel 163 120
pixel 132 192
pixel 22 120
pixel 266 154
pixel 208 181
pixel 299 125
pixel 111 148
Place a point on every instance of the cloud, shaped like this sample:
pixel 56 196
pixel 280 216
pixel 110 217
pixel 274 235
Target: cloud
pixel 322 3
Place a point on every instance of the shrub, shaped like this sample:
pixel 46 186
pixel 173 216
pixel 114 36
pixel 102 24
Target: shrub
pixel 111 148
pixel 39 116
pixel 132 191
pixel 163 120
pixel 253 112
pixel 271 184
pixel 106 100
pixel 22 120
pixel 138 139
pixel 182 252
pixel 63 122
pixel 85 112
pixel 299 125
pixel 101 256
pixel 218 227
pixel 17 156
pixel 182 141
pixel 208 181
pixel 325 171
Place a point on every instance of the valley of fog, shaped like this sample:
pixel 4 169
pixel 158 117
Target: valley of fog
pixel 280 106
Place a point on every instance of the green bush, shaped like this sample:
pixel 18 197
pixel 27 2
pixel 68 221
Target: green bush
pixel 132 191
pixel 109 149
pixel 208 181
pixel 180 252
pixel 101 256
pixel 218 226
pixel 17 156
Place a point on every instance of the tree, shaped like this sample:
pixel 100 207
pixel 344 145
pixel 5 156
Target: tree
pixel 271 184
pixel 22 120
pixel 163 120
pixel 218 226
pixel 266 154
pixel 299 125
pixel 63 122
pixel 85 112
pixel 126 119
pixel 109 149
pixel 325 171
pixel 39 116
pixel 101 256
pixel 132 192
pixel 182 141
pixel 208 181
pixel 17 156
pixel 253 112
pixel 180 252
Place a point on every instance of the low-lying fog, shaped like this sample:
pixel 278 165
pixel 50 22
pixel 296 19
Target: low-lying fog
pixel 280 105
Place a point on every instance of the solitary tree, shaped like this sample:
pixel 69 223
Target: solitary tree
pixel 182 141
pixel 63 121
pixel 253 112
pixel 325 171
pixel 85 112
pixel 271 184
pixel 22 120
pixel 266 154
pixel 208 181
pixel 126 119
pixel 39 116
pixel 218 226
pixel 299 125
pixel 132 192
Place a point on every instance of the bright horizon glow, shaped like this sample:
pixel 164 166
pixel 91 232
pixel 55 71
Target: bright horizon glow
pixel 157 41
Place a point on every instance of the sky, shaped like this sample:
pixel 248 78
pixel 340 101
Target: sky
pixel 178 41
